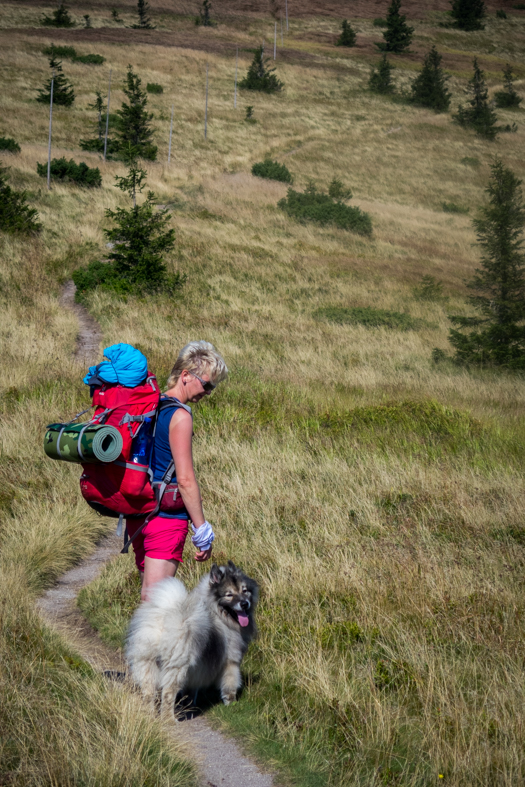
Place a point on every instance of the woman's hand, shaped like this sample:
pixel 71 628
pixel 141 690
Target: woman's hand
pixel 202 556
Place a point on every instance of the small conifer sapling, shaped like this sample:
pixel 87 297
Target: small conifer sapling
pixel 134 119
pixel 260 76
pixel 204 17
pixel 508 97
pixel 429 88
pixel 398 34
pixel 497 336
pixel 15 214
pixel 59 18
pixel 380 80
pixel 144 22
pixel 478 115
pixel 63 92
pixel 87 21
pixel 468 14
pixel 348 35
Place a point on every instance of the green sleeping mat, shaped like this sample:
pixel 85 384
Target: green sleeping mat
pixel 81 443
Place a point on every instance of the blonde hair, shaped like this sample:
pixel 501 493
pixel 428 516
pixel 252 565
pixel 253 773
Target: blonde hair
pixel 201 358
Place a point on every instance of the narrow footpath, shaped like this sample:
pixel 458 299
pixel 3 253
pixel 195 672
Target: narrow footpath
pixel 218 758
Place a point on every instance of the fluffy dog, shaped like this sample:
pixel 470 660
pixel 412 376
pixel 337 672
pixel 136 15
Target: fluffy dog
pixel 180 641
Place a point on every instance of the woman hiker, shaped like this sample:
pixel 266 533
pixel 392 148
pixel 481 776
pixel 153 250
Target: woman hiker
pixel 158 549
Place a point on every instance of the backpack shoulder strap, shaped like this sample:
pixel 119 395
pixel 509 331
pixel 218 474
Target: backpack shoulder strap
pixel 171 401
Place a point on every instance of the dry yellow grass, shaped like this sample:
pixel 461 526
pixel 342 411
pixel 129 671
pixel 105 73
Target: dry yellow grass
pixel 411 529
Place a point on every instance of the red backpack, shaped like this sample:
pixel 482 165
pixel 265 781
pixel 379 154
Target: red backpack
pixel 123 488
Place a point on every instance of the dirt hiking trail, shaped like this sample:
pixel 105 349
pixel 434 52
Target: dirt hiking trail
pixel 219 760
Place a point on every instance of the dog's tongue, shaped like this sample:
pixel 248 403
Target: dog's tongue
pixel 243 620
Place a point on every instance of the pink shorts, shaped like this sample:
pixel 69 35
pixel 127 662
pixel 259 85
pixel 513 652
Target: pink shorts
pixel 162 539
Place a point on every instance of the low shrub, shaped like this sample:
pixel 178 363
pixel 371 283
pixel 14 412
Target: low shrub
pixel 70 53
pixel 105 276
pixel 519 6
pixel 94 60
pixel 500 13
pixel 59 18
pixel 367 316
pixel 153 87
pixel 272 170
pixel 97 145
pixel 9 144
pixel 312 205
pixel 379 22
pixel 451 207
pixel 61 169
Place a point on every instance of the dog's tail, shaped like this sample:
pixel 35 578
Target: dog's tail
pixel 167 594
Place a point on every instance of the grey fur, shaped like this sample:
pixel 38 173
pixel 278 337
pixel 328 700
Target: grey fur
pixel 180 641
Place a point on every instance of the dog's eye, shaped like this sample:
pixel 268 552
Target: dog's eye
pixel 229 594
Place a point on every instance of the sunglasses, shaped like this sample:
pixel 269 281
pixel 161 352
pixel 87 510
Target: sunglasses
pixel 207 386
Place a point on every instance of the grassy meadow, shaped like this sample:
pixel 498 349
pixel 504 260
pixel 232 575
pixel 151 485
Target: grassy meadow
pixel 376 496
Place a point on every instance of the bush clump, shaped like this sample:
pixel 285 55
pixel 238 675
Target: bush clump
pixel 70 53
pixel 429 290
pixel 153 87
pixel 367 316
pixel 272 170
pixel 61 169
pixel 9 144
pixel 379 21
pixel 314 205
pixel 453 207
pixel 15 214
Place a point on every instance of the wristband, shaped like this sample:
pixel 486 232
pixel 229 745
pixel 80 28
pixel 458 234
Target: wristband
pixel 203 536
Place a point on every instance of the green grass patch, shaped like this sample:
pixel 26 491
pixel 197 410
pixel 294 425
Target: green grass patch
pixel 154 87
pixel 452 207
pixel 314 206
pixel 367 316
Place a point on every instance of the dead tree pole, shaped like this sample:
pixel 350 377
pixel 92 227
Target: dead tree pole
pixel 286 15
pixel 171 131
pixel 50 127
pixel 206 107
pixel 275 42
pixel 107 117
pixel 235 90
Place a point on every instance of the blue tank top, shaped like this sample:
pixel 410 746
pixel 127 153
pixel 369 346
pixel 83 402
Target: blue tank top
pixel 161 454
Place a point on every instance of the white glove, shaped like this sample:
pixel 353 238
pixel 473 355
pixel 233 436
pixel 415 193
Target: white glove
pixel 203 536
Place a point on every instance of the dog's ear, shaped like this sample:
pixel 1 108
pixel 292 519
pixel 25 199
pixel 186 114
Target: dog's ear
pixel 231 565
pixel 216 575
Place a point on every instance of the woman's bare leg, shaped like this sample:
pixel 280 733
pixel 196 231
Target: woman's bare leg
pixel 154 571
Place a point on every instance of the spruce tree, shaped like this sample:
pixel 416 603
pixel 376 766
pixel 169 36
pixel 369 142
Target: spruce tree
pixel 348 35
pixel 134 120
pixel 144 20
pixel 59 18
pixel 97 143
pixel 508 97
pixel 478 115
pixel 380 80
pixel 15 214
pixel 429 88
pixel 260 76
pixel 398 34
pixel 204 17
pixel 63 93
pixel 468 14
pixel 497 337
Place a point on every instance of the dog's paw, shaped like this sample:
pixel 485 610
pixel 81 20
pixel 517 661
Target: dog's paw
pixel 229 699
